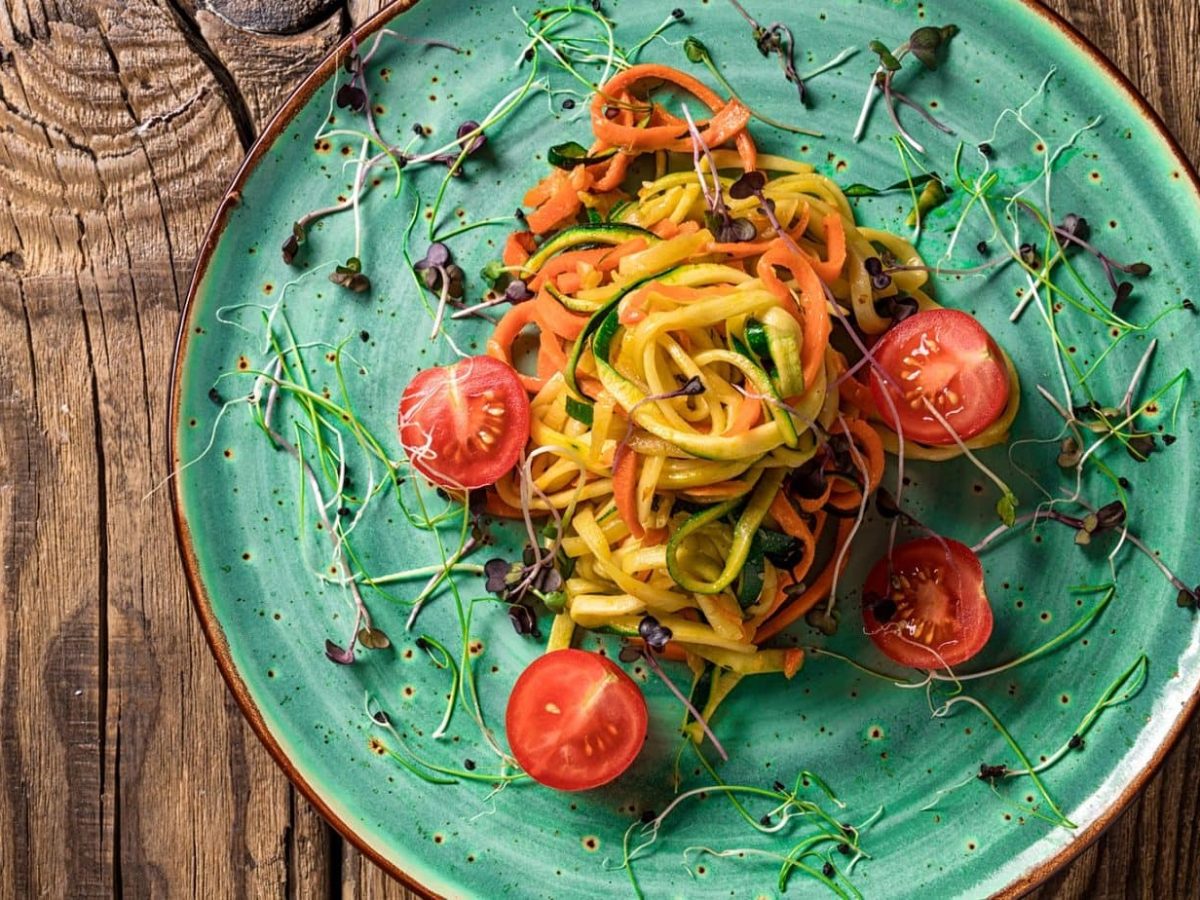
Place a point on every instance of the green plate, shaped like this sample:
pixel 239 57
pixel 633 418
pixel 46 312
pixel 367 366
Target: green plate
pixel 255 569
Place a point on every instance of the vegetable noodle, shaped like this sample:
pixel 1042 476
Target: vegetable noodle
pixel 687 379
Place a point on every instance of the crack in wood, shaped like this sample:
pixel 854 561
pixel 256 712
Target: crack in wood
pixel 230 92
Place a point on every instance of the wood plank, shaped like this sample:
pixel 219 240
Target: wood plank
pixel 124 762
pixel 266 67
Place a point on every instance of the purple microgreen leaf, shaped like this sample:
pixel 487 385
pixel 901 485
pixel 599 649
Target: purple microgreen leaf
pixel 1111 515
pixel 523 621
pixel 630 654
pixel 497 572
pixel 655 634
pixel 517 291
pixel 351 277
pixel 750 184
pixel 885 503
pixel 1140 446
pixel 550 581
pixel 478 141
pixel 736 231
pixel 437 255
pixel 352 96
pixel 290 247
pixel 338 655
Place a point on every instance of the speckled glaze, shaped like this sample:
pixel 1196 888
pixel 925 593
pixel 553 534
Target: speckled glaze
pixel 267 616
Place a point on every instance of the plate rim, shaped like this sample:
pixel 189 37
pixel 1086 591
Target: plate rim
pixel 213 632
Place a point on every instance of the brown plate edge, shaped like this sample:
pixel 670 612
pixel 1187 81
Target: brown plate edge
pixel 212 629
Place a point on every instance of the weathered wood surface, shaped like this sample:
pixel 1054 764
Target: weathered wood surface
pixel 124 765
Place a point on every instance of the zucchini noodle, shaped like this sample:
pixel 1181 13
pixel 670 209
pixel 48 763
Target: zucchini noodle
pixel 680 379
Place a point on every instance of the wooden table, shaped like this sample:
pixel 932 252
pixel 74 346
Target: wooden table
pixel 124 765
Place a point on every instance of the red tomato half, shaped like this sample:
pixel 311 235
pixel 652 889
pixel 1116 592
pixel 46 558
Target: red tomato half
pixel 463 426
pixel 946 357
pixel 932 611
pixel 575 721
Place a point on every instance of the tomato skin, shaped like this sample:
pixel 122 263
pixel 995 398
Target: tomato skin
pixel 464 426
pixel 946 356
pixel 933 612
pixel 575 721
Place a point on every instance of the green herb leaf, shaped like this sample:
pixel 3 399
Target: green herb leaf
pixel 932 196
pixel 695 50
pixel 886 59
pixel 1006 508
pixel 492 272
pixel 865 190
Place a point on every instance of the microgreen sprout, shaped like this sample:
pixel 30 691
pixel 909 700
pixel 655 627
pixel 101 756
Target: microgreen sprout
pixel 1075 230
pixel 777 38
pixel 785 806
pixel 718 217
pixel 924 44
pixel 698 52
pixel 350 276
pixel 518 582
pixel 441 275
pixel 753 184
pixel 472 140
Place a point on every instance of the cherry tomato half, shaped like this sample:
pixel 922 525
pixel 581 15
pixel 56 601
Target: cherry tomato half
pixel 575 721
pixel 932 611
pixel 463 426
pixel 946 357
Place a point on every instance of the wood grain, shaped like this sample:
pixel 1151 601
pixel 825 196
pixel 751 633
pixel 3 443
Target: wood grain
pixel 125 768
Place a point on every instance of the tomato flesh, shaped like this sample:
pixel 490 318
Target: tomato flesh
pixel 575 721
pixel 463 426
pixel 926 607
pixel 947 358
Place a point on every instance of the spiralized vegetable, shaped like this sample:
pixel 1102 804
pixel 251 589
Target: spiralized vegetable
pixel 680 379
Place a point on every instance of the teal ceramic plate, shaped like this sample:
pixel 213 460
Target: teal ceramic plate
pixel 256 559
